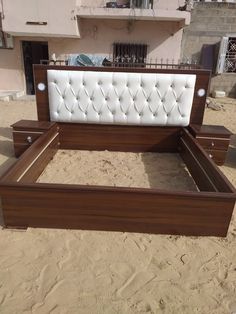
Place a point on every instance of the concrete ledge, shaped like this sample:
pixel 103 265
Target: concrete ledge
pixel 10 95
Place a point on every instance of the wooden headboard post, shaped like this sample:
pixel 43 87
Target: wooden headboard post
pixel 200 93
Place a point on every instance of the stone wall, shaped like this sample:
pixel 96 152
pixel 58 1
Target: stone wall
pixel 209 23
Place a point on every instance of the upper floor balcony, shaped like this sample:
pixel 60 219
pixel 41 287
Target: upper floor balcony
pixel 55 18
pixel 153 10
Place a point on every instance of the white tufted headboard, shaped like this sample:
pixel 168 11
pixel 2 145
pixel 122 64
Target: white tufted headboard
pixel 120 97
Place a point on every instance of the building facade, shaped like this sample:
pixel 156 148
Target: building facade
pixel 34 30
pixel 210 41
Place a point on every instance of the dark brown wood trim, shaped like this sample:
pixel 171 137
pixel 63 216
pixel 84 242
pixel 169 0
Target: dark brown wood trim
pixel 198 173
pixel 116 209
pixel 32 125
pixel 27 161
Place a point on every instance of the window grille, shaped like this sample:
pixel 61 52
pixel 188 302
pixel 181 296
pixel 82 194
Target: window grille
pixel 130 53
pixel 227 55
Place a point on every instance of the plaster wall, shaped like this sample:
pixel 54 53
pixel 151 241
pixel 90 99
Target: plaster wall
pixel 163 40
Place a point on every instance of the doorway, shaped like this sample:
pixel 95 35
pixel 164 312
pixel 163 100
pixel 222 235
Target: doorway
pixel 33 52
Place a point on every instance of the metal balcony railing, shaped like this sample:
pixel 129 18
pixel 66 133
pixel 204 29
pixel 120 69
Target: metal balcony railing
pixel 149 63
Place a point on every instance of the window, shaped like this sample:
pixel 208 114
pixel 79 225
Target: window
pixel 227 55
pixel 6 40
pixel 141 4
pixel 129 53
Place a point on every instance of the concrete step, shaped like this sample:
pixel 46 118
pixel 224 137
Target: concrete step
pixel 10 95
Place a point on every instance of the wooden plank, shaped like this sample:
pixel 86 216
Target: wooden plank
pixel 118 138
pixel 210 131
pixel 116 209
pixel 32 125
pixel 29 157
pixel 216 176
pixel 202 82
pixel 198 173
pixel 38 165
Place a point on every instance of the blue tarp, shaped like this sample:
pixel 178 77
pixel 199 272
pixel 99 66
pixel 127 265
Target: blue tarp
pixel 86 59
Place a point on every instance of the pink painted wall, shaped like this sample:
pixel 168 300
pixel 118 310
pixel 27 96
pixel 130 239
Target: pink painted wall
pixel 163 40
pixel 11 68
pixel 97 36
pixel 61 23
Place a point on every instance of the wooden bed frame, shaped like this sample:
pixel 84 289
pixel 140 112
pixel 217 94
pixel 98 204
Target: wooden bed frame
pixel 25 203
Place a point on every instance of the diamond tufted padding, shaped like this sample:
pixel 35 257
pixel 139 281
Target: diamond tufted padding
pixel 120 98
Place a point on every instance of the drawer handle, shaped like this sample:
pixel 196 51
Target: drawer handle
pixel 212 144
pixel 211 156
pixel 29 139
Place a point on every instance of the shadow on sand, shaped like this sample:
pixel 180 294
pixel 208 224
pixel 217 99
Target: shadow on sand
pixel 167 171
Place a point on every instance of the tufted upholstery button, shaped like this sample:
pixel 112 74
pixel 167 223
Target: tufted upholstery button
pixel 128 101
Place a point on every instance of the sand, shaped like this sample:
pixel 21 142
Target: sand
pixel 64 271
pixel 142 170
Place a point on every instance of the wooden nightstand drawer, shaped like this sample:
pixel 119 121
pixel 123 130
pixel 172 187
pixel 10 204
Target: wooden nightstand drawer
pixel 213 143
pixel 26 132
pixel 25 137
pixel 20 149
pixel 214 139
pixel 218 156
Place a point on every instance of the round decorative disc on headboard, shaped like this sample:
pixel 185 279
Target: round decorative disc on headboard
pixel 201 92
pixel 41 87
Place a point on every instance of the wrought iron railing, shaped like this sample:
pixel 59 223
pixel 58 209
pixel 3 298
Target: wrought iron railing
pixel 154 64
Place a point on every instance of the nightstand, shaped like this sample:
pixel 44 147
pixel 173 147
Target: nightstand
pixel 25 132
pixel 214 139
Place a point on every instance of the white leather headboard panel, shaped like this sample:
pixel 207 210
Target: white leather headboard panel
pixel 120 98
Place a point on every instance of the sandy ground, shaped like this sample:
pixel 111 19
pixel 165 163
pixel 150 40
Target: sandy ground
pixel 144 170
pixel 63 271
